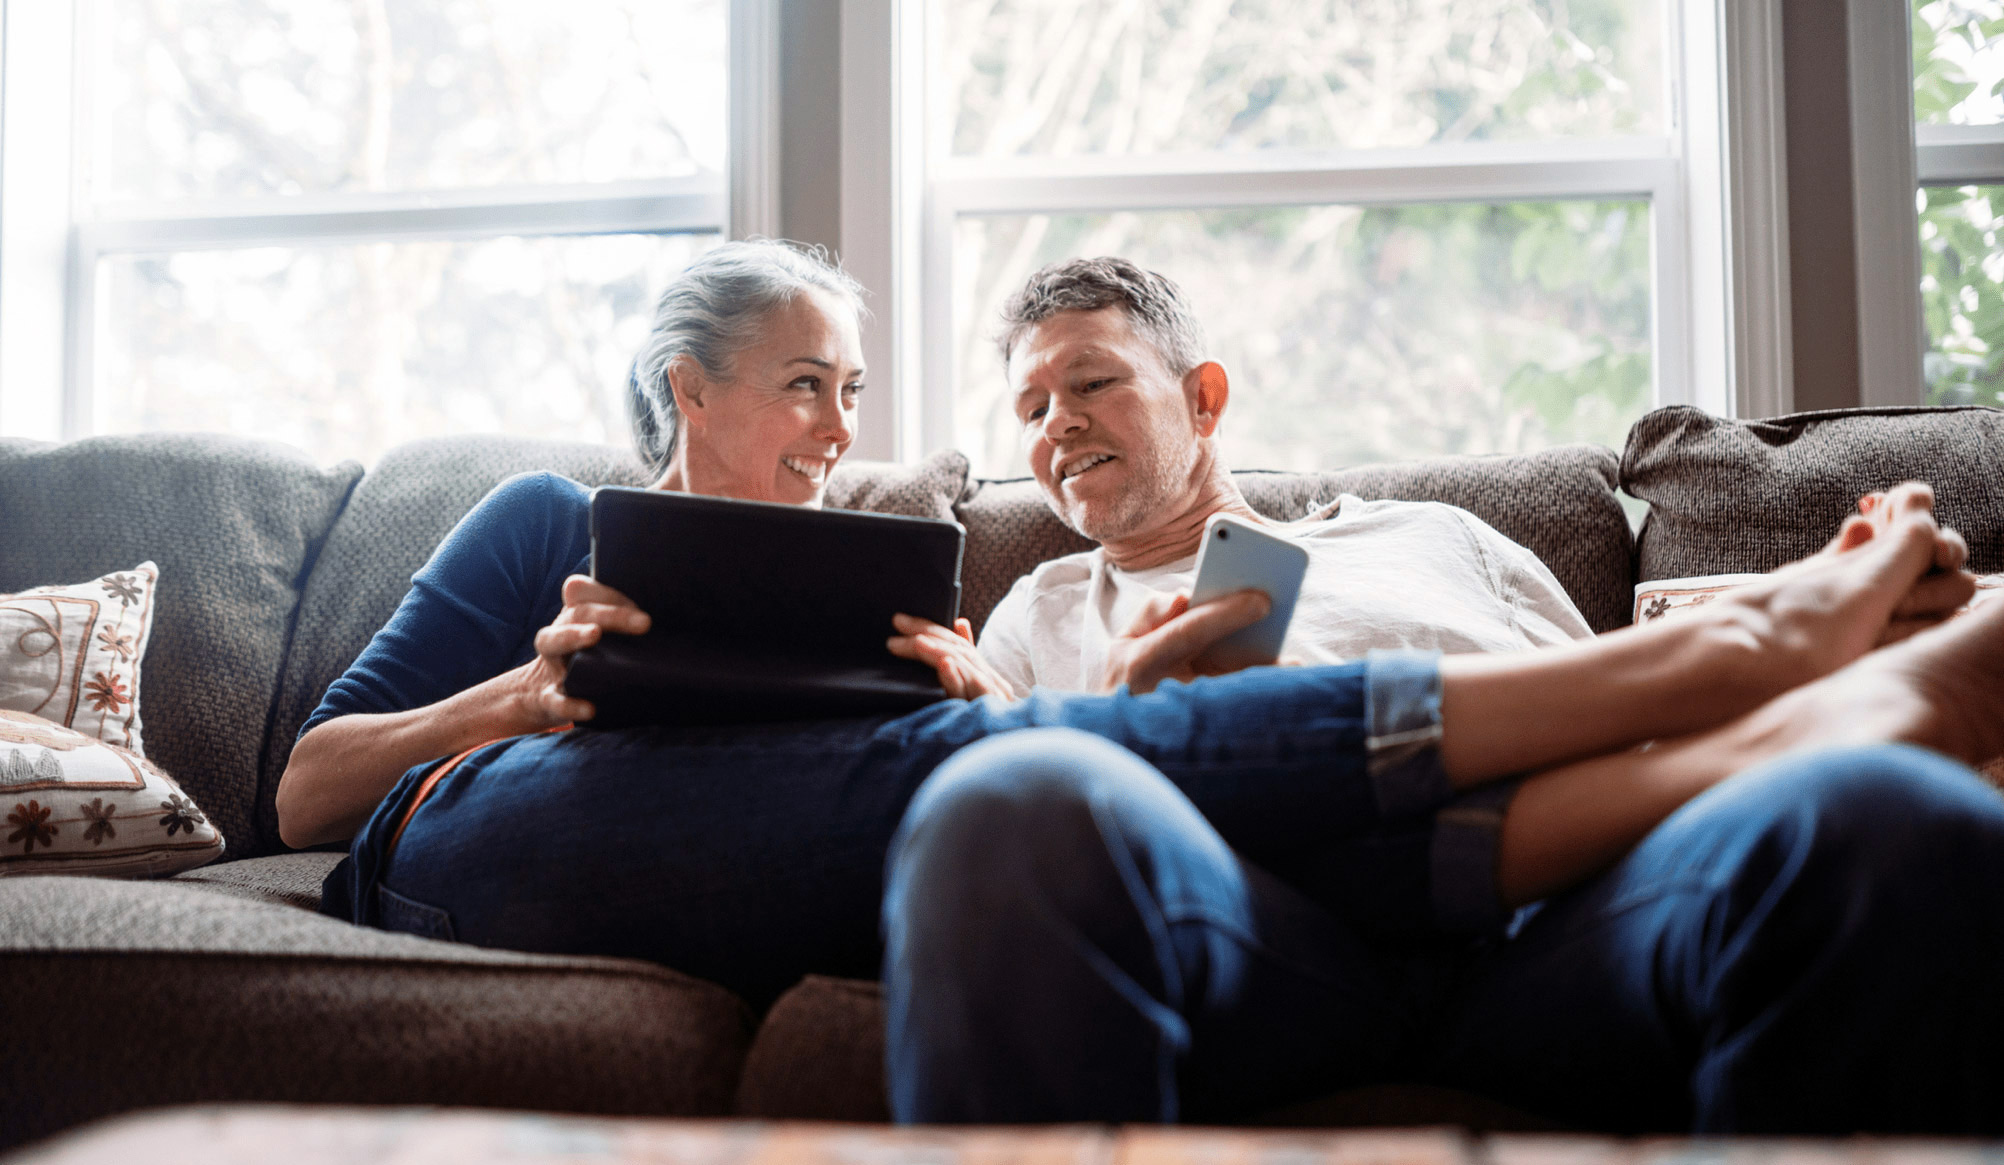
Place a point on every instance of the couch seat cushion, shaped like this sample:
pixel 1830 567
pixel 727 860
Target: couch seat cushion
pixel 284 879
pixel 171 992
pixel 819 1055
pixel 1731 496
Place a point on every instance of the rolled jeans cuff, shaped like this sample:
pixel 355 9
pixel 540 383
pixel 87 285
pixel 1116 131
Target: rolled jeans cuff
pixel 1467 835
pixel 1402 722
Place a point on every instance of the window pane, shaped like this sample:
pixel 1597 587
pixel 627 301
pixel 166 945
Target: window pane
pixel 1102 76
pixel 245 98
pixel 348 350
pixel 1356 335
pixel 1958 62
pixel 1962 294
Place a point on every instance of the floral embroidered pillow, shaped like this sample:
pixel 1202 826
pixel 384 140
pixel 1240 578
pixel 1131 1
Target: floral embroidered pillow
pixel 73 805
pixel 1669 596
pixel 71 653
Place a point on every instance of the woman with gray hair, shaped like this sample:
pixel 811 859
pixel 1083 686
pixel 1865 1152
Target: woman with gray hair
pixel 746 388
pixel 705 324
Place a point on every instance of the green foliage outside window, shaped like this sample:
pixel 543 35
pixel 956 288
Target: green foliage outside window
pixel 1959 79
pixel 1354 334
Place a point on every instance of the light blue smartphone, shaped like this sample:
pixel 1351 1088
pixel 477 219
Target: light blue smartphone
pixel 1236 556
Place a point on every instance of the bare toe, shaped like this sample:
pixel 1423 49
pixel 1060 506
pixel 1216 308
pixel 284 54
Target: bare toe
pixel 1812 617
pixel 1855 532
pixel 1909 497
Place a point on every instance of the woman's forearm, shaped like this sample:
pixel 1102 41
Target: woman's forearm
pixel 1529 710
pixel 341 770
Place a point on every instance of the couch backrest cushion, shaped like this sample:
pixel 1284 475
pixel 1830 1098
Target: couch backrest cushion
pixel 414 497
pixel 926 490
pixel 1727 496
pixel 1558 502
pixel 234 526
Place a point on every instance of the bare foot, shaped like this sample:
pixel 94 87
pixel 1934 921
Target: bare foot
pixel 1942 689
pixel 1670 679
pixel 1939 593
pixel 1880 580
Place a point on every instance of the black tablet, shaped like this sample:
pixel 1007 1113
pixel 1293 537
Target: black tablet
pixel 761 611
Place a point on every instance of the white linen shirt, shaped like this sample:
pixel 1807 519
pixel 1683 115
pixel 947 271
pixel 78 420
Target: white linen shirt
pixel 1381 574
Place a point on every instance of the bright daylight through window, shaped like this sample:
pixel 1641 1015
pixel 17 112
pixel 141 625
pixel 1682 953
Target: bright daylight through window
pixel 1444 323
pixel 1959 82
pixel 346 225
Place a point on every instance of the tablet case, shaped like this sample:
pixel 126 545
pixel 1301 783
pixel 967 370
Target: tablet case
pixel 761 612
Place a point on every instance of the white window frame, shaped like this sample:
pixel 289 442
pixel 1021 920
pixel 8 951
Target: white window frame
pixel 52 239
pixel 1892 157
pixel 1884 180
pixel 1716 183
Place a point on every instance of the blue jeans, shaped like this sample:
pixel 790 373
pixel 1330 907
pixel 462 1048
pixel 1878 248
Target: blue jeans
pixel 1811 947
pixel 752 856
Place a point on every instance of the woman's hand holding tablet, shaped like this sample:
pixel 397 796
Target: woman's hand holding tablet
pixel 590 609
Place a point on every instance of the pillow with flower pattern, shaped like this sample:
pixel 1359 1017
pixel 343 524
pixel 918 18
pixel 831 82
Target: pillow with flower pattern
pixel 1667 597
pixel 73 805
pixel 71 654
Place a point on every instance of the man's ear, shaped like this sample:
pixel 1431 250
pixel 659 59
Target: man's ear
pixel 1213 390
pixel 687 382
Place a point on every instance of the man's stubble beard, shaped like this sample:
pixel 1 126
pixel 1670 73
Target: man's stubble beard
pixel 1155 483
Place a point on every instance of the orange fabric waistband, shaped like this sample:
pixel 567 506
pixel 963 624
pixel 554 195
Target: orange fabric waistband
pixel 438 774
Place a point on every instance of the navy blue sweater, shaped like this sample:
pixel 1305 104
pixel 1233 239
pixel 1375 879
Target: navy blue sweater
pixel 473 611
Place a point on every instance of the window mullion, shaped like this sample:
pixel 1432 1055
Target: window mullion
pixel 1883 180
pixel 699 206
pixel 1165 189
pixel 1955 155
pixel 1756 207
pixel 882 191
pixel 754 135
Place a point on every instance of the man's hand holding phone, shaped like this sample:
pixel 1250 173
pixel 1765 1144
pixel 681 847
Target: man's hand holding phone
pixel 1234 617
pixel 1169 637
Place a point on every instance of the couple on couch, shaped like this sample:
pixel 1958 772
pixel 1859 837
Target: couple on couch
pixel 1748 884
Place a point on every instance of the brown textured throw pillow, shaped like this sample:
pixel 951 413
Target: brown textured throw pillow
pixel 1731 496
pixel 926 490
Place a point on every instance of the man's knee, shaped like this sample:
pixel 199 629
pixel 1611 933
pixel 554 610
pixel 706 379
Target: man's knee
pixel 1008 805
pixel 1887 819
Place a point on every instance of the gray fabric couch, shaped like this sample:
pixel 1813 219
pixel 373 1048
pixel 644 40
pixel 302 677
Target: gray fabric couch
pixel 222 984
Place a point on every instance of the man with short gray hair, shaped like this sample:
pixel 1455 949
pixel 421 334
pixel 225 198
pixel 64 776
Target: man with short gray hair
pixel 1120 412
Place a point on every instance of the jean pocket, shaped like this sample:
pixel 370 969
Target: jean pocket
pixel 411 916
